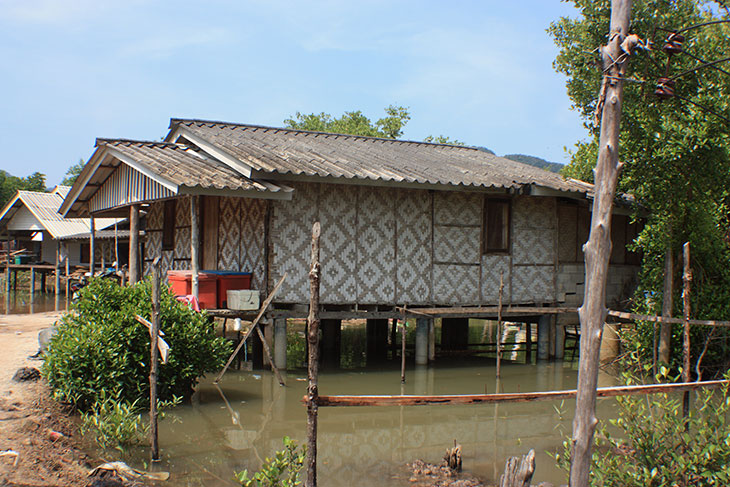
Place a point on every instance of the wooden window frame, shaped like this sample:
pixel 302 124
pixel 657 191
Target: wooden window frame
pixel 485 225
pixel 168 224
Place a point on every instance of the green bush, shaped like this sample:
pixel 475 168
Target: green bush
pixel 652 444
pixel 101 347
pixel 280 471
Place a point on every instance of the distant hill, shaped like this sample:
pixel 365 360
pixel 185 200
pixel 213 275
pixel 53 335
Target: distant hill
pixel 535 161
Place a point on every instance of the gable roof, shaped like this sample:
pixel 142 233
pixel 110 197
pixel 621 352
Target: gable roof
pixel 44 207
pixel 269 150
pixel 160 170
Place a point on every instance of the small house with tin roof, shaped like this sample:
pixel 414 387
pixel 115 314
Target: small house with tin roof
pixel 404 224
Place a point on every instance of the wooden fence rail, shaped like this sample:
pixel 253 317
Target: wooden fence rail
pixel 325 401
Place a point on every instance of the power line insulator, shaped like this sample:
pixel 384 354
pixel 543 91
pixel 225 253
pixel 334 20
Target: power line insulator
pixel 664 88
pixel 674 44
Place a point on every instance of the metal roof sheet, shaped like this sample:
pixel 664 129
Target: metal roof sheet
pixel 305 153
pixel 44 207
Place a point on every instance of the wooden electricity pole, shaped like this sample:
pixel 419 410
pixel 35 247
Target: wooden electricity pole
pixel 598 248
pixel 665 333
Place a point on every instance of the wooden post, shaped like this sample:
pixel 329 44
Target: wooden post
pixel 393 339
pixel 67 280
pixel 194 243
pixel 687 279
pixel 431 340
pixel 528 342
pixel 57 283
pixel 116 248
pixel 518 471
pixel 665 333
pixel 92 246
pixel 32 284
pixel 499 326
pixel 154 332
pixel 598 248
pixel 403 351
pixel 313 362
pixel 133 244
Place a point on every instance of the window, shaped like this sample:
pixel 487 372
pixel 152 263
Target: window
pixel 495 237
pixel 168 226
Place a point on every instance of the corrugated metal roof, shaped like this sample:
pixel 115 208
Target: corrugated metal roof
pixel 182 165
pixel 305 153
pixel 44 206
pixel 180 168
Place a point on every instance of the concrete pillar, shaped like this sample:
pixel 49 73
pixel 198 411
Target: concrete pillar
pixel 280 339
pixel 610 342
pixel 420 379
pixel 377 340
pixel 528 342
pixel 422 325
pixel 553 336
pixel 431 340
pixel 543 338
pixel 559 341
pixel 454 333
pixel 331 343
pixel 268 330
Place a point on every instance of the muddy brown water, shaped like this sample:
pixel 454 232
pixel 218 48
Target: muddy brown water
pixel 19 302
pixel 239 425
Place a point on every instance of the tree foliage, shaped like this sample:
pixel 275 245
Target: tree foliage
pixel 73 173
pixel 676 151
pixel 9 184
pixel 354 123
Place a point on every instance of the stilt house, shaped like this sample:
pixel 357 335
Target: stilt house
pixel 403 223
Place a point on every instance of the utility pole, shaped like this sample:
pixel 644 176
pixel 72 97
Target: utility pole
pixel 598 248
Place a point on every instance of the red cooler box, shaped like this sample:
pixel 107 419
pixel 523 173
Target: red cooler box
pixel 181 285
pixel 230 280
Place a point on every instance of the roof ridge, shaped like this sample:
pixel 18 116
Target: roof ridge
pixel 315 132
pixel 105 140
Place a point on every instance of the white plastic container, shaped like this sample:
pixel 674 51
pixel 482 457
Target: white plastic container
pixel 243 299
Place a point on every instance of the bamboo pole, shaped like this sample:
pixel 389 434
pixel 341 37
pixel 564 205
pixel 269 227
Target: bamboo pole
pixel 687 280
pixel 403 350
pixel 154 365
pixel 313 362
pixel 499 328
pixel 57 280
pixel 92 246
pixel 598 248
pixel 67 279
pixel 661 319
pixel 498 398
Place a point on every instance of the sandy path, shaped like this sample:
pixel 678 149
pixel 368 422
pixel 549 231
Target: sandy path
pixel 18 340
pixel 28 415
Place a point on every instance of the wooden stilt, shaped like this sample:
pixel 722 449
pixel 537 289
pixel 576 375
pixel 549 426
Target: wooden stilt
pixel 57 283
pixel 499 327
pixel 403 351
pixel 67 281
pixel 194 243
pixel 313 362
pixel 92 246
pixel 133 244
pixel 528 343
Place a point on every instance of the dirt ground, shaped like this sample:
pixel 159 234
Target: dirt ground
pixel 30 421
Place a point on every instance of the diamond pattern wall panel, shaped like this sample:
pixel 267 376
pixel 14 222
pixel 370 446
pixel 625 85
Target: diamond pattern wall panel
pixel 454 284
pixel 567 233
pixel 253 241
pixel 181 265
pixel 375 245
pixel 182 243
pixel 453 208
pixel 182 212
pixel 534 246
pixel 456 244
pixel 413 247
pixel 165 263
pixel 154 216
pixel 338 215
pixel 533 284
pixel 291 235
pixel 229 234
pixel 492 266
pixel 533 212
pixel 152 245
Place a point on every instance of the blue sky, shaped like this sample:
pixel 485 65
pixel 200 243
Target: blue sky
pixel 477 71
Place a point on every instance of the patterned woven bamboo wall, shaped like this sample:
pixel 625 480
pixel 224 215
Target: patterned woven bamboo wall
pixel 534 247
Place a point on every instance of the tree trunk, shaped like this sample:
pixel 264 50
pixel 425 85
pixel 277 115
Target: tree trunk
pixel 313 369
pixel 598 248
